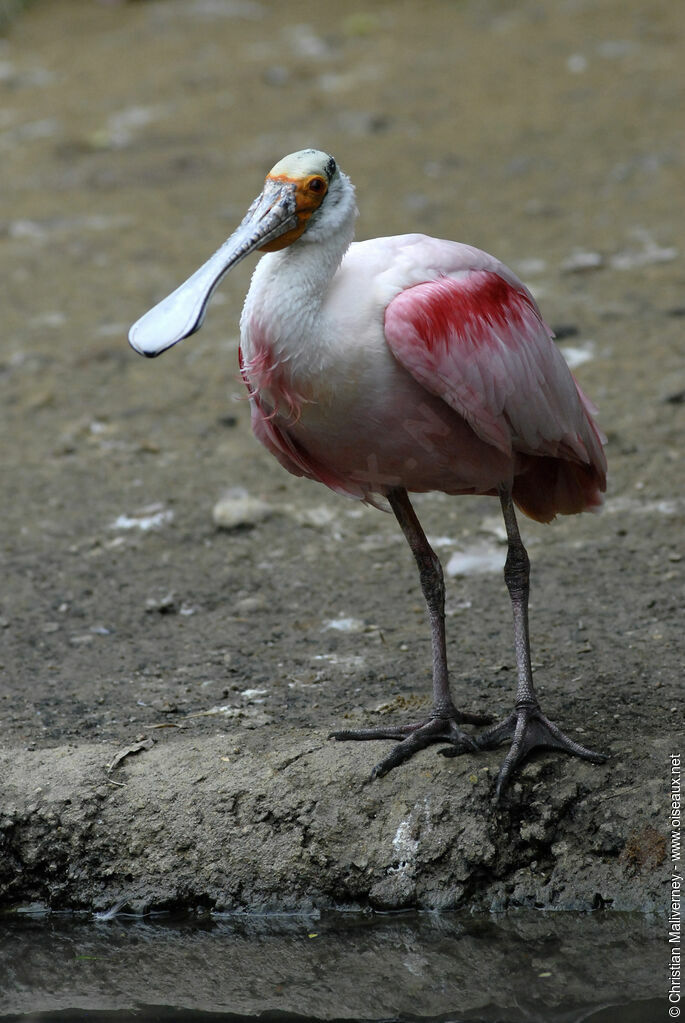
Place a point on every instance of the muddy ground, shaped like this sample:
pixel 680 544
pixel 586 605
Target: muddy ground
pixel 132 137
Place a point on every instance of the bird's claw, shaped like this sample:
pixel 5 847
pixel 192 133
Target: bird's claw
pixel 529 729
pixel 415 737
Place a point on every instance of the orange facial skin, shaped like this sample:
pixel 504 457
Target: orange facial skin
pixel 309 194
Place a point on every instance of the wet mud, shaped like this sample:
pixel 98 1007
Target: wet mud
pixel 181 622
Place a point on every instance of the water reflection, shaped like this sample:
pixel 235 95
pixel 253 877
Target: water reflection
pixel 524 968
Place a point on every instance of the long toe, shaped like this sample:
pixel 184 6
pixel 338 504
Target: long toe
pixel 412 738
pixel 529 729
pixel 433 731
pixel 499 733
pixel 360 734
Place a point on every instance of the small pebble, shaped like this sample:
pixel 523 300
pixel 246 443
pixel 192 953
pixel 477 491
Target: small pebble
pixel 249 604
pixel 238 509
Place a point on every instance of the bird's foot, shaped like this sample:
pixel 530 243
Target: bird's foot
pixel 415 737
pixel 528 729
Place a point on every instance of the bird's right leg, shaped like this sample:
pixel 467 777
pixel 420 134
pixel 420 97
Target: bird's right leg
pixel 443 723
pixel 527 727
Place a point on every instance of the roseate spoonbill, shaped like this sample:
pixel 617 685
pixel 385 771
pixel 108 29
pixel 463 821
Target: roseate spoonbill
pixel 403 364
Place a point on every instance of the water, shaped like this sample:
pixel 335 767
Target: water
pixel 637 1012
pixel 528 967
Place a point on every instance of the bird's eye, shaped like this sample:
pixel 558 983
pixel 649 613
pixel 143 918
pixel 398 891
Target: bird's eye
pixel 317 185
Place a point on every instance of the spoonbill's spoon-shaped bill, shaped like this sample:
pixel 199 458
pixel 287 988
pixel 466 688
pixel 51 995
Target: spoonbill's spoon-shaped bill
pixel 180 314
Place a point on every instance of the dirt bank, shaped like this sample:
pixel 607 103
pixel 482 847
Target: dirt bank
pixel 207 823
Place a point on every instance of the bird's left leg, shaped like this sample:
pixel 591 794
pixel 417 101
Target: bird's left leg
pixel 527 726
pixel 443 723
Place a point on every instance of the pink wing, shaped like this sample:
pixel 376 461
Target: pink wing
pixel 478 342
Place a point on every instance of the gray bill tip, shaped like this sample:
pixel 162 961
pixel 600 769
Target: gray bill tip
pixel 178 315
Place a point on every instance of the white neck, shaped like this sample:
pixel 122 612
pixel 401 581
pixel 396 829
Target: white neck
pixel 290 286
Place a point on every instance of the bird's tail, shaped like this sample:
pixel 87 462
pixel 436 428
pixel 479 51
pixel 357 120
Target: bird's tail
pixel 553 486
pixel 568 483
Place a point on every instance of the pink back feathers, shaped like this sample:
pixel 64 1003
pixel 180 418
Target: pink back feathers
pixel 479 343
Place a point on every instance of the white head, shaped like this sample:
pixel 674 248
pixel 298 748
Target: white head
pixel 306 198
pixel 324 196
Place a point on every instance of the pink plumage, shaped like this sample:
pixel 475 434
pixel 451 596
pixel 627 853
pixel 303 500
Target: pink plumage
pixel 457 384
